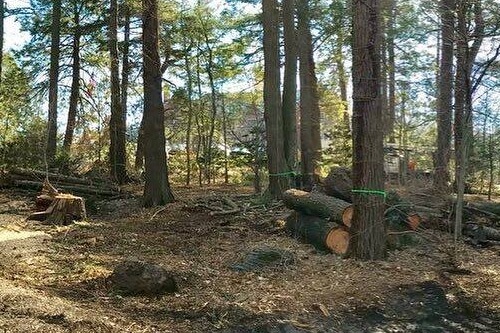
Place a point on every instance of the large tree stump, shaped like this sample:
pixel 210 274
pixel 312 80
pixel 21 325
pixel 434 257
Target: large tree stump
pixel 320 205
pixel 64 209
pixel 338 183
pixel 321 233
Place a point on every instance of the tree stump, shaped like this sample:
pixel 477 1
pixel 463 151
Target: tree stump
pixel 64 209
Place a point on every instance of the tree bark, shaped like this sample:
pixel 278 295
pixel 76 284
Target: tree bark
pixel 339 59
pixel 53 82
pixel 278 176
pixel 139 151
pixel 224 137
pixel 2 19
pixel 310 132
pixel 318 204
pixel 157 188
pixel 75 83
pixel 391 70
pixel 189 82
pixel 289 107
pixel 213 104
pixel 117 123
pixel 338 183
pixel 445 88
pixel 463 97
pixel 368 231
pixel 323 235
pixel 125 62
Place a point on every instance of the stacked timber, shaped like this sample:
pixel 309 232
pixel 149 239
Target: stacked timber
pixel 33 180
pixel 324 221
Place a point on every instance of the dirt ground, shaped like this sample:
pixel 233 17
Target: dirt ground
pixel 55 278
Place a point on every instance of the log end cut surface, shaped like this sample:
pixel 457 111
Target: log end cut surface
pixel 337 240
pixel 347 216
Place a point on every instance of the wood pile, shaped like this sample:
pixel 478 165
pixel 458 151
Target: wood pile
pixel 324 219
pixel 33 180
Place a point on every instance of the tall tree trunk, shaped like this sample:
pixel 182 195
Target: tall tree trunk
pixel 384 17
pixel 368 230
pixel 157 188
pixel 278 175
pixel 53 82
pixel 117 123
pixel 213 104
pixel 139 151
pixel 201 151
pixel 339 60
pixel 289 105
pixel 445 89
pixel 2 18
pixel 490 165
pixel 189 82
pixel 224 136
pixel 75 83
pixel 310 133
pixel 125 61
pixel 391 71
pixel 463 96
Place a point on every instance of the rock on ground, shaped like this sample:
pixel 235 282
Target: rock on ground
pixel 135 277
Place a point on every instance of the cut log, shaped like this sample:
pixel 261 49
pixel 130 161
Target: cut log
pixel 318 204
pixel 319 232
pixel 64 209
pixel 481 233
pixel 80 189
pixel 338 183
pixel 413 221
pixel 58 178
pixel 483 206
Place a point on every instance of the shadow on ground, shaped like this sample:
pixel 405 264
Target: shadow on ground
pixel 424 307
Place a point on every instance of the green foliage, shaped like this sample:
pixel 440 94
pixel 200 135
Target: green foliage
pixel 335 128
pixel 21 129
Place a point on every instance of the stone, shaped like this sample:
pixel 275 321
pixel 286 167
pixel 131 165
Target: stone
pixel 135 277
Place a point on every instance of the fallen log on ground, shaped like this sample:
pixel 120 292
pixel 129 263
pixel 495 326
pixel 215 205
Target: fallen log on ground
pixel 79 189
pixel 486 210
pixel 480 233
pixel 321 233
pixel 340 211
pixel 36 175
pixel 319 204
pixel 31 180
pixel 338 183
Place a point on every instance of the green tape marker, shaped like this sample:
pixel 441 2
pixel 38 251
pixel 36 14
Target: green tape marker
pixel 371 192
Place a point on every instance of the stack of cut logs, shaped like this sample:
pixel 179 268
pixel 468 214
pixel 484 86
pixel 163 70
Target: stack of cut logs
pixel 33 180
pixel 323 219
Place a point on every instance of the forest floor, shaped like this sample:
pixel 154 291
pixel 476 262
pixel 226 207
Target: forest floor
pixel 55 278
